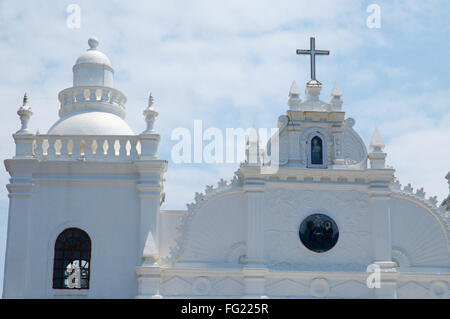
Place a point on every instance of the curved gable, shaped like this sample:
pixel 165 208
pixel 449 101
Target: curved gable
pixel 214 230
pixel 418 233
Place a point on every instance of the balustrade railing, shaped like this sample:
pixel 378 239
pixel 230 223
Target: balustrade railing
pixel 117 147
pixel 107 99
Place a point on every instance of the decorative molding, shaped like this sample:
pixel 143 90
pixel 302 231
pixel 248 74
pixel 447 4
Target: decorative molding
pixel 176 286
pixel 287 287
pixel 201 286
pixel 411 289
pixel 319 287
pixel 408 193
pixel 228 287
pixel 439 290
pixel 400 256
pixel 354 151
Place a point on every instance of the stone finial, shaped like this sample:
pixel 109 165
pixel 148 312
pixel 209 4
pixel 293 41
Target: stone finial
pixel 199 197
pixel 25 114
pixel 294 96
pixel 408 188
pixel 396 184
pixel 336 91
pixel 234 181
pixel 25 100
pixel 149 139
pixel 420 193
pixel 294 90
pixel 209 189
pixel 93 43
pixel 433 200
pixel 377 157
pixel 336 98
pixel 446 202
pixel 150 115
pixel 150 100
pixel 313 89
pixel 222 183
pixel 252 152
pixel 376 144
pixel 313 102
pixel 448 179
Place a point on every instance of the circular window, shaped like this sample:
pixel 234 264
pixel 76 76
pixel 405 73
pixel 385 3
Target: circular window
pixel 318 233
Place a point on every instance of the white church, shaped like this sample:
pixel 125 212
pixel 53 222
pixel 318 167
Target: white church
pixel 332 222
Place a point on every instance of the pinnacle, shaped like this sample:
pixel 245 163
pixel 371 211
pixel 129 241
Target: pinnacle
pixel 150 100
pixel 336 91
pixel 376 143
pixel 294 90
pixel 25 99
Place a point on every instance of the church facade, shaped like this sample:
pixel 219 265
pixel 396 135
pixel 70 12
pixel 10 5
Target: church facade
pixel 331 221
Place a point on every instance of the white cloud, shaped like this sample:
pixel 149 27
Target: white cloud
pixel 421 157
pixel 183 181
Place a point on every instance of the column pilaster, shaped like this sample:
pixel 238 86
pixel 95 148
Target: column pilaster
pixel 379 192
pixel 255 268
pixel 20 190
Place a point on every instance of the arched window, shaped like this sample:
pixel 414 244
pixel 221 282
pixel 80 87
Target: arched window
pixel 317 155
pixel 72 260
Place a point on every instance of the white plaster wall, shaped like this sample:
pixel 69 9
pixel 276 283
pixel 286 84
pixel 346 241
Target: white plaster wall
pixel 318 285
pixel 287 207
pixel 108 212
pixel 169 221
pixel 218 223
pixel 197 285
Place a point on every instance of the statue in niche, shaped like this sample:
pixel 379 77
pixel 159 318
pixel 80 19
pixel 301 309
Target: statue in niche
pixel 316 151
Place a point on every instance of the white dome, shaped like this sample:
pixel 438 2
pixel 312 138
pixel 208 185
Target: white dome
pixel 93 57
pixel 92 106
pixel 91 123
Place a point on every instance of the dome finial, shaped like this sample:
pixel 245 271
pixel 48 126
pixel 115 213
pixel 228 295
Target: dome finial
pixel 150 115
pixel 25 114
pixel 25 99
pixel 93 43
pixel 150 100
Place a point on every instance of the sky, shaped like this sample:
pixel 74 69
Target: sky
pixel 231 64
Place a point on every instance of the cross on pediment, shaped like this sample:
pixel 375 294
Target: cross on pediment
pixel 313 52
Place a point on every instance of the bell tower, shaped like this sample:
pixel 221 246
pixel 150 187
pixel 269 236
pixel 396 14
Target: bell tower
pixel 85 197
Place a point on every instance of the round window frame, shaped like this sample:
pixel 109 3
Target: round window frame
pixel 319 253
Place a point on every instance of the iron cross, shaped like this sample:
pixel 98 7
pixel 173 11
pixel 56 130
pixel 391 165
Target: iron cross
pixel 313 52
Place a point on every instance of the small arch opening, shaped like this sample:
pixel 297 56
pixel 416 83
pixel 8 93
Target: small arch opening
pixel 316 151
